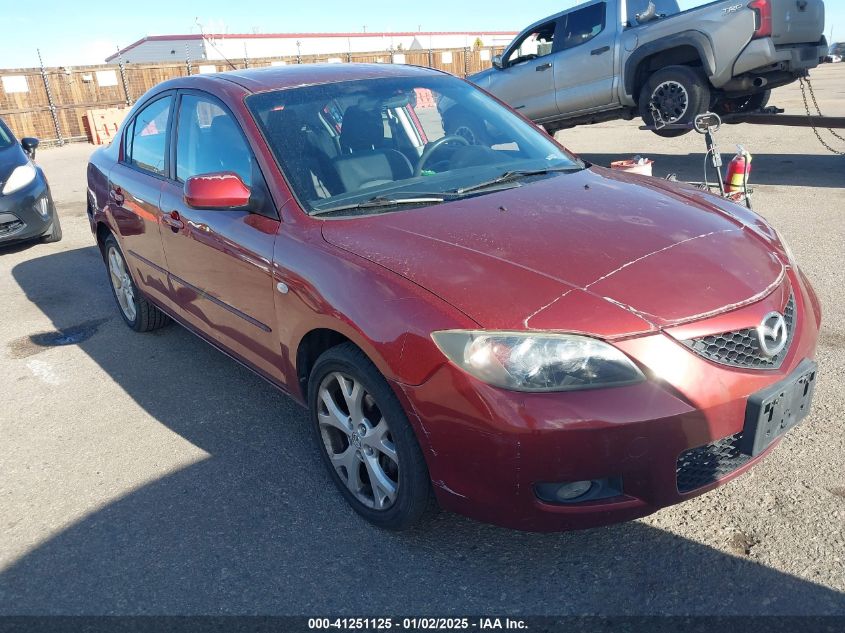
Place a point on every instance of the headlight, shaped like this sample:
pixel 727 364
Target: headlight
pixel 538 362
pixel 20 178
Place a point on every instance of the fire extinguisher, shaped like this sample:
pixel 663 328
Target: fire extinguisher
pixel 739 169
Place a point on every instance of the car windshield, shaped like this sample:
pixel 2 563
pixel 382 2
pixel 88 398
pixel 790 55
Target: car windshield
pixel 6 138
pixel 404 141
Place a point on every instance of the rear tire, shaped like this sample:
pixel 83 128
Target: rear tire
pixel 679 92
pixel 739 105
pixel 137 312
pixel 364 436
pixel 54 233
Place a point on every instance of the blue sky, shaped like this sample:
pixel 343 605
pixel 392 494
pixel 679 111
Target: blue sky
pixel 71 33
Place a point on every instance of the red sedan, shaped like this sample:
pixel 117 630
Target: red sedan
pixel 539 342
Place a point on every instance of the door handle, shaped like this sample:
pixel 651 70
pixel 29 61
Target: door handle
pixel 173 220
pixel 199 227
pixel 543 67
pixel 599 51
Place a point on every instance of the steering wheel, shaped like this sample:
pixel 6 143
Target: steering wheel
pixel 434 147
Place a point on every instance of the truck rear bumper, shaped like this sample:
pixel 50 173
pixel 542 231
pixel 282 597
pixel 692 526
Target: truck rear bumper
pixel 763 56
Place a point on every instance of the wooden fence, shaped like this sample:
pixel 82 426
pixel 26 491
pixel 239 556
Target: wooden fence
pixel 50 103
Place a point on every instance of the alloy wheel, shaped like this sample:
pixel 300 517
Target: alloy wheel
pixel 672 100
pixel 358 441
pixel 124 289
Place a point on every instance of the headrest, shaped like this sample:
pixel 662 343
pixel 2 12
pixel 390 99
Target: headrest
pixel 361 130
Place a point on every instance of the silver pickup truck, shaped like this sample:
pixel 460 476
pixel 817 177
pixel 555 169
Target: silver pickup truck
pixel 611 59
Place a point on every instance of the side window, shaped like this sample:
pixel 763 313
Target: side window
pixel 583 25
pixel 538 43
pixel 209 140
pixel 146 137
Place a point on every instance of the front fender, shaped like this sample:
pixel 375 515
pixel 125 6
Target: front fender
pixel 698 40
pixel 387 316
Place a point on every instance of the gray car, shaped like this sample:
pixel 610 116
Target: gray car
pixel 611 59
pixel 27 211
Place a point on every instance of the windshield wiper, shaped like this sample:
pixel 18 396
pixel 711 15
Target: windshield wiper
pixel 377 202
pixel 510 176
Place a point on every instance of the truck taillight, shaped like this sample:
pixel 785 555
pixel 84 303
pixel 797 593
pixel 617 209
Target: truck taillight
pixel 762 17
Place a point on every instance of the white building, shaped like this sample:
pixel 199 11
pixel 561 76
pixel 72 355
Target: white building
pixel 163 48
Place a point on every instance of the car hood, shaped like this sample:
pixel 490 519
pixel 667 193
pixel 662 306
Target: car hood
pixel 594 251
pixel 482 79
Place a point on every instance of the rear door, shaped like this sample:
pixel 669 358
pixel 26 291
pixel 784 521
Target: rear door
pixel 797 21
pixel 584 65
pixel 135 184
pixel 220 261
pixel 527 79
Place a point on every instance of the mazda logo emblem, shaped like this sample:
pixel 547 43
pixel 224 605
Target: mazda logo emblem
pixel 772 334
pixel 802 5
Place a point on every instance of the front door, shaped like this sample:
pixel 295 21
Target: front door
pixel 135 184
pixel 584 64
pixel 526 80
pixel 220 261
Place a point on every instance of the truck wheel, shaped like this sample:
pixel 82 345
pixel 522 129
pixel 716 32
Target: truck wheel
pixel 743 104
pixel 679 93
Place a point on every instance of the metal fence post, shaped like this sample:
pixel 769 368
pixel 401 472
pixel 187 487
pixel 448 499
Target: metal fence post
pixel 123 80
pixel 59 138
pixel 188 60
pixel 466 62
pixel 430 58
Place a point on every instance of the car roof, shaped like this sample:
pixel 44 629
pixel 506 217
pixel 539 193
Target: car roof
pixel 298 75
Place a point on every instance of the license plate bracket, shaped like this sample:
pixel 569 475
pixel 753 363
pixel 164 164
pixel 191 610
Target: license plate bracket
pixel 774 411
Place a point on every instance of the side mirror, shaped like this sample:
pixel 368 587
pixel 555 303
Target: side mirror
pixel 497 62
pixel 225 190
pixel 29 145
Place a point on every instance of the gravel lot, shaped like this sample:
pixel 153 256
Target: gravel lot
pixel 149 474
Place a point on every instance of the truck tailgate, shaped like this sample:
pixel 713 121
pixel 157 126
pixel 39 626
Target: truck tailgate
pixel 797 21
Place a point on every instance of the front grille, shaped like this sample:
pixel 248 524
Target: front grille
pixel 740 348
pixel 7 228
pixel 708 464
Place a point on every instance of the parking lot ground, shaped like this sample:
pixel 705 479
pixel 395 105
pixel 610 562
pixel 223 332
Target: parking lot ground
pixel 149 474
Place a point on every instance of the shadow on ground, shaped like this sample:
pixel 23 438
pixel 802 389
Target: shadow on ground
pixel 798 170
pixel 257 527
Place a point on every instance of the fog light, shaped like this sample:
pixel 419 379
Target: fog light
pixel 579 491
pixel 570 492
pixel 42 207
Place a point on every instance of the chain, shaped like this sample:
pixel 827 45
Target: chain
pixel 802 81
pixel 816 104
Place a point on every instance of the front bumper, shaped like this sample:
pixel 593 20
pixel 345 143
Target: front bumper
pixel 21 216
pixel 487 448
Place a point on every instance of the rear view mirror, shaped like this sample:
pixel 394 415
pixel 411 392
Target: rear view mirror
pixel 224 190
pixel 29 145
pixel 497 62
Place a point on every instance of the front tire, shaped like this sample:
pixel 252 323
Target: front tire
pixel 679 93
pixel 54 233
pixel 366 441
pixel 137 312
